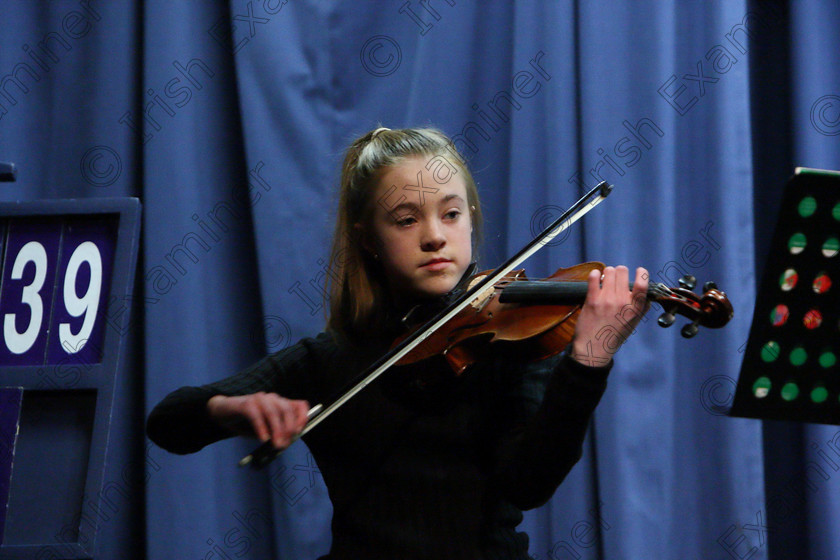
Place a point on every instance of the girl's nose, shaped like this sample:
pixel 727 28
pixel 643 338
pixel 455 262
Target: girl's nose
pixel 433 238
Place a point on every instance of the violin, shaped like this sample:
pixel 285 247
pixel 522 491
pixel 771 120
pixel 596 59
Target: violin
pixel 503 305
pixel 539 317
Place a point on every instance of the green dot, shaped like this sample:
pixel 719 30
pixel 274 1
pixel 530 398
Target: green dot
pixel 796 243
pixel 761 387
pixel 798 356
pixel 790 391
pixel 827 359
pixel 819 394
pixel 770 351
pixel 831 247
pixel 807 206
pixel 836 211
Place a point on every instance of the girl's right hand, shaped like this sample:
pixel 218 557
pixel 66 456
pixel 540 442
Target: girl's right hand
pixel 267 415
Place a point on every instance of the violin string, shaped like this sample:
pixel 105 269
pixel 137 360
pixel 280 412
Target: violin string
pixel 660 290
pixel 656 289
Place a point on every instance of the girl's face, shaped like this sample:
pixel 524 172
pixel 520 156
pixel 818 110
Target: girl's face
pixel 421 229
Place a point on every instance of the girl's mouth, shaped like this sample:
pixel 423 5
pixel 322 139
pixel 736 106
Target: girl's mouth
pixel 436 264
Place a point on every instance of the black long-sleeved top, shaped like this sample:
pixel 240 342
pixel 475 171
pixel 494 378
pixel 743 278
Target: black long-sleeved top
pixel 433 469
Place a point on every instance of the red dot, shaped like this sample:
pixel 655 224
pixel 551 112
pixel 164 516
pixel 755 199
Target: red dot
pixel 812 319
pixel 779 315
pixel 822 283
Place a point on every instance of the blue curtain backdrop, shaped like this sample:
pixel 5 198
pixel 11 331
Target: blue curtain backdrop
pixel 228 121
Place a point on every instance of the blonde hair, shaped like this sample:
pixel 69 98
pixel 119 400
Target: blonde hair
pixel 357 286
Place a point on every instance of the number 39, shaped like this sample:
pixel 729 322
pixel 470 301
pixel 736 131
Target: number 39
pixel 34 252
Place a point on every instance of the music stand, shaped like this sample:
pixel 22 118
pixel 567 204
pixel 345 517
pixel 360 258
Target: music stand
pixel 790 369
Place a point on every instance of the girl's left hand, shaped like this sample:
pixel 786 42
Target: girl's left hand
pixel 609 315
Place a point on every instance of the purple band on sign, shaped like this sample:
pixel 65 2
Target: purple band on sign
pixel 55 287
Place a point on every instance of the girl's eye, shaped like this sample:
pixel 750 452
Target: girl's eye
pixel 410 219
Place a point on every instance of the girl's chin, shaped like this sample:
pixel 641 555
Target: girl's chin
pixel 441 288
pixel 425 289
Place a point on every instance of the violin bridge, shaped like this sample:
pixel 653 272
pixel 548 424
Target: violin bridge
pixel 483 299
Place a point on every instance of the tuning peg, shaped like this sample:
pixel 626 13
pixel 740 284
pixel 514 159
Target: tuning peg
pixel 666 319
pixel 709 286
pixel 689 330
pixel 688 282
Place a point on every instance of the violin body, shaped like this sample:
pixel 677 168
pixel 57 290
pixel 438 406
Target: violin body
pixel 539 317
pixel 540 331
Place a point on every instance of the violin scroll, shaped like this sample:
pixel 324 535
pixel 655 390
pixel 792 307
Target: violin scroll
pixel 712 310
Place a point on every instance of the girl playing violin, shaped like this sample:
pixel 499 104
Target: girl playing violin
pixel 421 464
